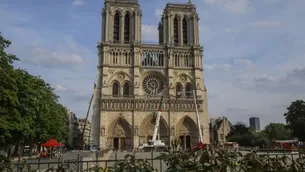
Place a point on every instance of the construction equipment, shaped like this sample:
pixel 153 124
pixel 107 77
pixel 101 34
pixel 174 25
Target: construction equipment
pixel 154 144
pixel 197 116
pixel 85 124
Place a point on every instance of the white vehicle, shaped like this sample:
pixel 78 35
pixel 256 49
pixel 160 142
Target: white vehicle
pixel 94 149
pixel 157 146
pixel 154 144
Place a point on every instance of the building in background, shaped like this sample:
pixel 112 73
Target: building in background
pixel 72 125
pixel 86 139
pixel 254 123
pixel 219 129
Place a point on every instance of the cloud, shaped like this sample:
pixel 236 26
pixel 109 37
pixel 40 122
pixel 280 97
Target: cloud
pixel 266 23
pixel 158 13
pixel 235 62
pixel 46 58
pixel 60 88
pixel 291 82
pixel 78 3
pixel 217 66
pixel 150 33
pixel 49 51
pixel 235 6
pixel 242 62
pixel 236 110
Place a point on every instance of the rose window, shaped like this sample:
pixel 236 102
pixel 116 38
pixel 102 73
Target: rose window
pixel 153 84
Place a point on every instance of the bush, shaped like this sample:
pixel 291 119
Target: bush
pixel 209 159
pixel 213 159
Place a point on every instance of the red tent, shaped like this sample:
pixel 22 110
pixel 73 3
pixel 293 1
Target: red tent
pixel 51 143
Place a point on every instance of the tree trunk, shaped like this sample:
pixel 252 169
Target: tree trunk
pixel 16 152
pixel 9 151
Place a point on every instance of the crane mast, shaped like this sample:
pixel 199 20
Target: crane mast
pixel 197 116
pixel 85 123
pixel 157 123
pixel 155 144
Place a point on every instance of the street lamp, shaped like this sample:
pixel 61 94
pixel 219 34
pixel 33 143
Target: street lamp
pixel 196 108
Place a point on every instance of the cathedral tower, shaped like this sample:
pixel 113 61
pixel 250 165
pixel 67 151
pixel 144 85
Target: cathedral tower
pixel 132 76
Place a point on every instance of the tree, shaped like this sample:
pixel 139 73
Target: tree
pixel 241 134
pixel 295 116
pixel 298 130
pixel 29 109
pixel 239 129
pixel 9 114
pixel 277 131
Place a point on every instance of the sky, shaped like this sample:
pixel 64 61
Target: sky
pixel 254 50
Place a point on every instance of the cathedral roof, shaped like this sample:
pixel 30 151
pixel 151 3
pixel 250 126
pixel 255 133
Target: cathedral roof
pixel 180 5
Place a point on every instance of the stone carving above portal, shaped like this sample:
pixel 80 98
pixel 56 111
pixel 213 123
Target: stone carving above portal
pixel 136 85
pixel 172 131
pixel 183 78
pixel 120 76
pixel 105 84
pixel 103 131
pixel 110 71
pixel 198 87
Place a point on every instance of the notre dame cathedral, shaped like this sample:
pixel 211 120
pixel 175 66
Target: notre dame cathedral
pixel 132 76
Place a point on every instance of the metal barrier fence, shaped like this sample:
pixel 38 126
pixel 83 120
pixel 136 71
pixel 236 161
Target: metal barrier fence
pixel 80 164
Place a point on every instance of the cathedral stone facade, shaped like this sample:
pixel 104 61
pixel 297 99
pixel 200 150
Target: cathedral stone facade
pixel 132 76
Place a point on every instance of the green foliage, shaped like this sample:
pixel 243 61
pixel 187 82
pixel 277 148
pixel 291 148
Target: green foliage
pixel 241 134
pixel 209 159
pixel 212 159
pixel 130 164
pixel 29 109
pixel 239 129
pixel 5 164
pixel 295 118
pixel 9 103
pixel 277 131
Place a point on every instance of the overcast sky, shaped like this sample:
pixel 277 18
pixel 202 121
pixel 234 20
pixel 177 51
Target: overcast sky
pixel 253 50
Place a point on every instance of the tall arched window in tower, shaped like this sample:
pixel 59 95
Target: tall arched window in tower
pixel 184 31
pixel 116 28
pixel 115 89
pixel 176 32
pixel 126 89
pixel 188 90
pixel 126 28
pixel 178 90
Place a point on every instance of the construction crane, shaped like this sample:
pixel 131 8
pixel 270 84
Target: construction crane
pixel 85 123
pixel 154 144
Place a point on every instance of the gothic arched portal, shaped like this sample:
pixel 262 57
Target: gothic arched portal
pixel 147 129
pixel 186 130
pixel 120 134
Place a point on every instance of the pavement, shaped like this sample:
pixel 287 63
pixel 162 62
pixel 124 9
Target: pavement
pixel 157 164
pixel 43 164
pixel 161 166
pixel 111 158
